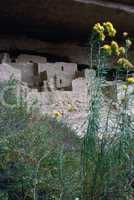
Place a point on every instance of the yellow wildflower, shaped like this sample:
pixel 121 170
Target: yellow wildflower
pixel 130 80
pixel 125 34
pixel 107 49
pixel 101 36
pixel 99 29
pixel 125 63
pixel 114 45
pixel 57 115
pixel 110 29
pixel 122 50
pixel 128 43
pixel 71 108
pixel 115 48
pixel 112 33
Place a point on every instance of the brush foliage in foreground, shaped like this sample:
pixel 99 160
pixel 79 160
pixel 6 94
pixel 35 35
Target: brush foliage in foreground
pixel 39 157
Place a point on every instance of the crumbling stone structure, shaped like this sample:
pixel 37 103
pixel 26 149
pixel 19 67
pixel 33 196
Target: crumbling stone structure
pixel 24 58
pixel 46 48
pixel 41 75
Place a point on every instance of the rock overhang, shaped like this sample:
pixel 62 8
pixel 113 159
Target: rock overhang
pixel 60 20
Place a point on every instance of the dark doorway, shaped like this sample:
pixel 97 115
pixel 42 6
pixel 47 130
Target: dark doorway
pixel 43 77
pixel 62 68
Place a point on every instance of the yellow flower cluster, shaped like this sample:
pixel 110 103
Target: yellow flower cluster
pixel 71 108
pixel 113 48
pixel 130 80
pixel 107 49
pixel 125 63
pixel 106 27
pixel 122 51
pixel 110 29
pixel 98 28
pixel 57 115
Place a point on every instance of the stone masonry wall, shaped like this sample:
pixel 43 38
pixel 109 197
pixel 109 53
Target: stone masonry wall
pixel 63 72
pixel 24 58
pixel 7 71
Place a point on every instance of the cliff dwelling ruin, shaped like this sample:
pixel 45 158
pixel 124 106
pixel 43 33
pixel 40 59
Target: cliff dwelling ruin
pixel 45 44
pixel 39 74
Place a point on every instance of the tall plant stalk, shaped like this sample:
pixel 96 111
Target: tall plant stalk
pixel 107 157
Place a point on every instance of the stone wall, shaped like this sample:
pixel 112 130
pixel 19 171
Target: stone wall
pixel 73 105
pixel 24 58
pixel 5 58
pixel 63 73
pixel 7 71
pixel 58 75
pixel 27 72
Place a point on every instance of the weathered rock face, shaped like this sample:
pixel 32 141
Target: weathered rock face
pixel 53 51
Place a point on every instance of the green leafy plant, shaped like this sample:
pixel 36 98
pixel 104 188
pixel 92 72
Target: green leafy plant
pixel 40 156
pixel 108 150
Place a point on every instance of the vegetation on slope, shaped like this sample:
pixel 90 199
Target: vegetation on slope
pixel 41 158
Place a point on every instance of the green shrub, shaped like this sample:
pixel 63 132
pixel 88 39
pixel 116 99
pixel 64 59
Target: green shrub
pixel 107 171
pixel 39 156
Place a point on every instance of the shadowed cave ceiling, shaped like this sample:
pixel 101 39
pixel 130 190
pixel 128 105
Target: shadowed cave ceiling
pixel 62 20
